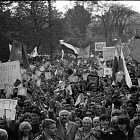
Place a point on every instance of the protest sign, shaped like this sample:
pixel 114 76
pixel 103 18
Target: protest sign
pixel 22 91
pixel 48 75
pixel 8 89
pixel 108 53
pixel 9 113
pixel 8 103
pixel 9 72
pixel 99 46
pixel 92 82
pixel 73 78
pixel 83 52
pixel 107 71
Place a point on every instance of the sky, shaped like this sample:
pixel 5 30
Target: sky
pixel 61 4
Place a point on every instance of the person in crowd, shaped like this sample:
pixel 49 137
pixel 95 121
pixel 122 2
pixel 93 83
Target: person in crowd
pixel 25 132
pixel 131 108
pixel 137 133
pixel 48 131
pixel 78 122
pixel 124 131
pixel 35 114
pixel 66 129
pixel 86 132
pixel 114 123
pixel 3 134
pixel 4 124
pixel 96 122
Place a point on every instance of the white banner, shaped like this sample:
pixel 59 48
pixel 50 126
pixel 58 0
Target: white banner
pixel 9 72
pixel 99 46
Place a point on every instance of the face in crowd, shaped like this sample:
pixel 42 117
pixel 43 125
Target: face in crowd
pixel 96 122
pixel 87 123
pixel 64 116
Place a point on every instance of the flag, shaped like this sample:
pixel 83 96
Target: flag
pixel 80 99
pixel 62 54
pixel 126 50
pixel 125 70
pixel 69 90
pixel 34 53
pixel 68 48
pixel 16 51
pixel 25 58
pixel 115 65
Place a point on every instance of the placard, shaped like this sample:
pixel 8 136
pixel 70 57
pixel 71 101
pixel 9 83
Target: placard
pixel 22 91
pixel 8 103
pixel 107 71
pixel 73 78
pixel 9 72
pixel 108 53
pixel 99 46
pixel 48 75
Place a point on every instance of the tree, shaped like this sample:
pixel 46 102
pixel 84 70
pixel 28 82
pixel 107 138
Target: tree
pixel 114 18
pixel 77 21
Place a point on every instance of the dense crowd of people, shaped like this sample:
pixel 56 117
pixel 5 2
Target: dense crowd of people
pixel 87 108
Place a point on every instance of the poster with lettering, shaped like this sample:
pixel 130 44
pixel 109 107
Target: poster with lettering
pixel 8 103
pixel 9 72
pixel 99 46
pixel 108 53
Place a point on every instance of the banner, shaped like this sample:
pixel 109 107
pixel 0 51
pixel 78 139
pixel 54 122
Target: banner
pixel 9 72
pixel 99 46
pixel 83 52
pixel 108 53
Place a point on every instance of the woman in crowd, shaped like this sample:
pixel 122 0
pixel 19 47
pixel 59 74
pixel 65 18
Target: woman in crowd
pixel 25 131
pixel 86 132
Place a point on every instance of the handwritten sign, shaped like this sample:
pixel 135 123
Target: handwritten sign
pixel 9 113
pixel 99 46
pixel 8 103
pixel 108 53
pixel 9 72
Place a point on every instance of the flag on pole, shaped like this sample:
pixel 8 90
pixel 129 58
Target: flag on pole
pixel 80 99
pixel 62 54
pixel 16 51
pixel 69 90
pixel 125 70
pixel 115 65
pixel 34 53
pixel 26 64
pixel 68 48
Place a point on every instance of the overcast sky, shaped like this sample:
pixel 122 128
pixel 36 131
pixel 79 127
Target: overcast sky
pixel 62 4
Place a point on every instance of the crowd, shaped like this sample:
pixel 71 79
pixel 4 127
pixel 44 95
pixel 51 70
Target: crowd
pixel 89 107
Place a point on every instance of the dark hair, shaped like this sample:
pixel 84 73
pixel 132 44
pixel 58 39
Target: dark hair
pixel 47 122
pixel 133 103
pixel 105 117
pixel 123 119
